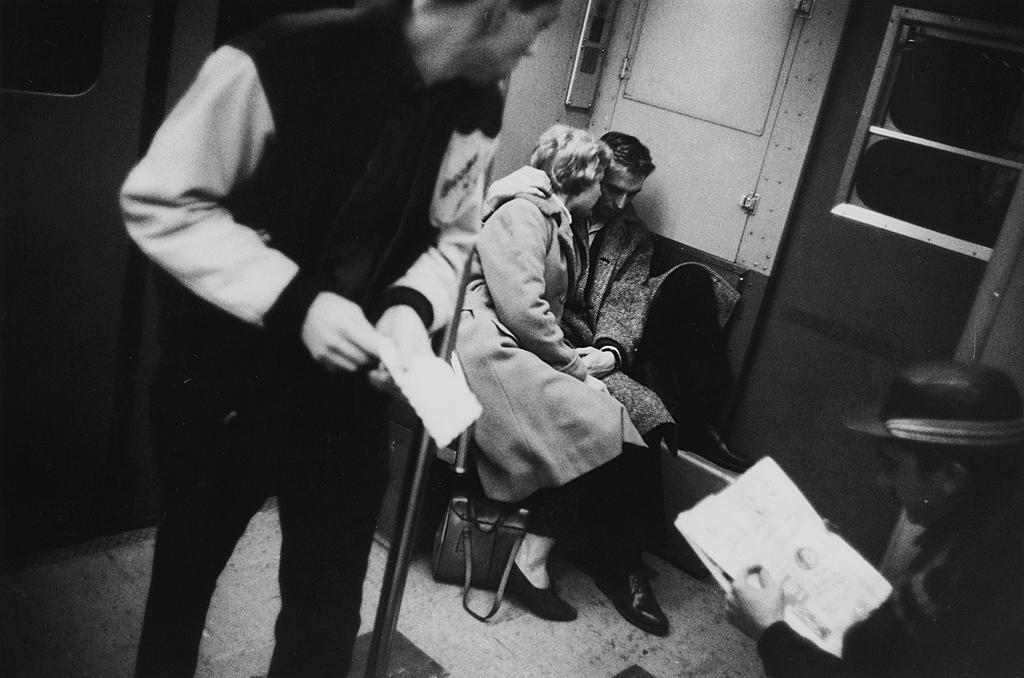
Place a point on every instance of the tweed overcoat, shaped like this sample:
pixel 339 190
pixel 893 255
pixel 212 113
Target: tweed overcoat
pixel 611 301
pixel 541 425
pixel 611 309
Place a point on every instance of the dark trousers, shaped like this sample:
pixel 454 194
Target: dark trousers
pixel 325 461
pixel 682 353
pixel 612 508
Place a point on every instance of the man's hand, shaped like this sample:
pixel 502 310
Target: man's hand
pixel 599 363
pixel 528 180
pixel 402 325
pixel 338 335
pixel 755 602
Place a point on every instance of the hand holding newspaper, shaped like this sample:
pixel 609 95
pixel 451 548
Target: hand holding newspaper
pixel 436 393
pixel 763 519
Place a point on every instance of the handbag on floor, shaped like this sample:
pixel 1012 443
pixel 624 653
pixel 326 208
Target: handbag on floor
pixel 476 545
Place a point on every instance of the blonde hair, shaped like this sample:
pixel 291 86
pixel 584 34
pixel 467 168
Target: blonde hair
pixel 574 159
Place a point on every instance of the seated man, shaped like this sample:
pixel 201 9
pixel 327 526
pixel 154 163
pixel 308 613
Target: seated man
pixel 655 342
pixel 949 439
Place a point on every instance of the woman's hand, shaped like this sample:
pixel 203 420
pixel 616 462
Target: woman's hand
pixel 755 602
pixel 599 363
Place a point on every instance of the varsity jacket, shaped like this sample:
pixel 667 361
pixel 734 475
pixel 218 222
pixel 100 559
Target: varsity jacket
pixel 307 156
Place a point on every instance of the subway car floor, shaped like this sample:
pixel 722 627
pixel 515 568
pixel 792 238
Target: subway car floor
pixel 77 611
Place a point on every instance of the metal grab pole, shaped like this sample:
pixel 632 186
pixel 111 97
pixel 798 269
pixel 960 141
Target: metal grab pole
pixel 413 489
pixel 399 557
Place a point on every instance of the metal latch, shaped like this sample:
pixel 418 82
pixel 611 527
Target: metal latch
pixel 749 202
pixel 910 36
pixel 804 8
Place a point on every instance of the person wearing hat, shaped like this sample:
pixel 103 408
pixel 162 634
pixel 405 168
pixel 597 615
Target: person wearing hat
pixel 950 441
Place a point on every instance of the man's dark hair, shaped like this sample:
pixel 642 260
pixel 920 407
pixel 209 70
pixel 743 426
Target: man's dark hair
pixel 629 153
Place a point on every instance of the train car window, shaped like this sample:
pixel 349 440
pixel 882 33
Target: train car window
pixel 967 95
pixel 962 197
pixel 52 47
pixel 939 150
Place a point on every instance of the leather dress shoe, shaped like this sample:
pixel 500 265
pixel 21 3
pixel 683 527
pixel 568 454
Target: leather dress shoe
pixel 707 442
pixel 634 599
pixel 544 603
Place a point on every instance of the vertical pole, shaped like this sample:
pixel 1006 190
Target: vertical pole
pixel 412 491
pixel 413 488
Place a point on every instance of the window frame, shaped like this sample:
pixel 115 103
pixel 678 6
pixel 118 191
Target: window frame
pixel 872 118
pixel 94 30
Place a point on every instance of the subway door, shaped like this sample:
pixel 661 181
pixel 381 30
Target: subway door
pixel 72 101
pixel 726 96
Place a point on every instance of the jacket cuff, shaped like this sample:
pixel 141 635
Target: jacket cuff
pixel 404 296
pixel 615 354
pixel 287 315
pixel 778 641
pixel 604 343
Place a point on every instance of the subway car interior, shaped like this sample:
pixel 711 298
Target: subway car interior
pixel 849 169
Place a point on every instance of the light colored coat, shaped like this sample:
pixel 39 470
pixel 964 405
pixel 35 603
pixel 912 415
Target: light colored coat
pixel 541 425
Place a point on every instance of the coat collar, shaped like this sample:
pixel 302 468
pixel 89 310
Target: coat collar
pixel 621 238
pixel 549 206
pixel 553 208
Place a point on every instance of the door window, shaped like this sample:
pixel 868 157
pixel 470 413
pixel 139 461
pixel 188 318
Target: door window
pixel 940 148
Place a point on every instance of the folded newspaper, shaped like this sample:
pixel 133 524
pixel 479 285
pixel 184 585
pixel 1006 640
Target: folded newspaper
pixel 437 392
pixel 763 519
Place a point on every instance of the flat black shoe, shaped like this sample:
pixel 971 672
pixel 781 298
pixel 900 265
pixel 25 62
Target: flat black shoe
pixel 544 603
pixel 634 599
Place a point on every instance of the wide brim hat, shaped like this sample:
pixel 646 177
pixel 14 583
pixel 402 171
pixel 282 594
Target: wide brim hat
pixel 948 403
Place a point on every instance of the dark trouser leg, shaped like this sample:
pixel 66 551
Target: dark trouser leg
pixel 621 509
pixel 617 505
pixel 194 541
pixel 328 502
pixel 619 500
pixel 556 512
pixel 212 485
pixel 681 355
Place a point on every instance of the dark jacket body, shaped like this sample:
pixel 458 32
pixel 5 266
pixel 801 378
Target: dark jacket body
pixel 343 189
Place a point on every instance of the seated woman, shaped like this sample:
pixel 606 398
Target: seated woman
pixel 950 439
pixel 549 429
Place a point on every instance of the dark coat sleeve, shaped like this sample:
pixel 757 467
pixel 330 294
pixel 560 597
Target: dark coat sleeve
pixel 787 654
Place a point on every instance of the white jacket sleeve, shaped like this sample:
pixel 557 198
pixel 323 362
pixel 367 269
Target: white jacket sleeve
pixel 456 211
pixel 172 200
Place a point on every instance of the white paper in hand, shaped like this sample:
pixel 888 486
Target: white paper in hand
pixel 439 397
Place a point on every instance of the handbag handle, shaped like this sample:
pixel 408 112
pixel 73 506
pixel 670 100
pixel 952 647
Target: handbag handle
pixel 467 554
